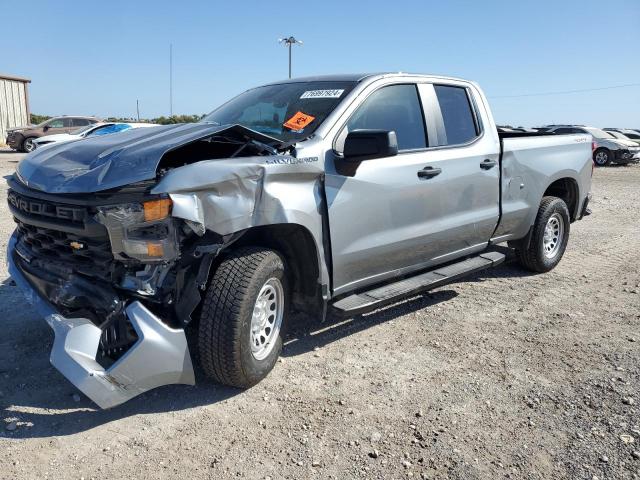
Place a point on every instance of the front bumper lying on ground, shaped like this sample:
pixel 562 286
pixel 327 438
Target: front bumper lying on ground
pixel 159 357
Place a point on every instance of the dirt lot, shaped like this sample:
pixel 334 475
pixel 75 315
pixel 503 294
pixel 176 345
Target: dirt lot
pixel 506 375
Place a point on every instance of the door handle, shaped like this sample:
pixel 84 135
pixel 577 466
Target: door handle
pixel 429 172
pixel 487 164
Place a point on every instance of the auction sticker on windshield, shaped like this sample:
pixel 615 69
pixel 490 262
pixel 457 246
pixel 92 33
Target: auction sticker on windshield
pixel 299 121
pixel 322 93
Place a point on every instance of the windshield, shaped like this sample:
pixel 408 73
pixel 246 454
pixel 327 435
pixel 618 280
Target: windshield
pixel 44 122
pixel 81 130
pixel 287 111
pixel 597 133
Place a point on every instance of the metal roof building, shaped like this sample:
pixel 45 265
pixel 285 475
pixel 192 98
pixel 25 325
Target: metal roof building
pixel 14 103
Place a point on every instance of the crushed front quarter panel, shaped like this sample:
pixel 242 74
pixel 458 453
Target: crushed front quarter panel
pixel 230 195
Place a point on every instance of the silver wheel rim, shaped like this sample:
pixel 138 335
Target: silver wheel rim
pixel 29 146
pixel 601 158
pixel 553 235
pixel 267 318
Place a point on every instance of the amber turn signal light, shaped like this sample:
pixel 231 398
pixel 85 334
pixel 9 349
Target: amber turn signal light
pixel 155 249
pixel 157 209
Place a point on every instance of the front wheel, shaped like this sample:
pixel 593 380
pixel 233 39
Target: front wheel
pixel 549 237
pixel 243 316
pixel 28 145
pixel 602 157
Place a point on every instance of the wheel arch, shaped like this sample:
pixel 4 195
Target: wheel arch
pixel 567 189
pixel 298 248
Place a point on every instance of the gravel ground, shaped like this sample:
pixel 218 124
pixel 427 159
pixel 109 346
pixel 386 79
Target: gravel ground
pixel 505 375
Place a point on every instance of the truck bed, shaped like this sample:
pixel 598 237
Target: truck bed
pixel 530 162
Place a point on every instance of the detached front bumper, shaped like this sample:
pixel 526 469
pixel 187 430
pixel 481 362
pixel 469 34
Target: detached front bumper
pixel 159 357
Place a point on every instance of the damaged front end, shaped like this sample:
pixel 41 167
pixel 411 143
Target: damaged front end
pixel 110 282
pixel 114 243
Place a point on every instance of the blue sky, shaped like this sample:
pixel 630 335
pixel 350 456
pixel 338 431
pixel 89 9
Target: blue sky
pixel 99 57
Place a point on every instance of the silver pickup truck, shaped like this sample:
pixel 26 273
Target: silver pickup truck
pixel 328 194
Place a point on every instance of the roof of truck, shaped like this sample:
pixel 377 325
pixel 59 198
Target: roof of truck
pixel 345 77
pixel 354 77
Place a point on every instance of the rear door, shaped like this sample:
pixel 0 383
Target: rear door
pixel 465 198
pixel 387 217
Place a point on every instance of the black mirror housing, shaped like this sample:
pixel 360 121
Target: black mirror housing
pixel 369 144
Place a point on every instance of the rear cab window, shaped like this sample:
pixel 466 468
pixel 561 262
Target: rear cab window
pixel 459 117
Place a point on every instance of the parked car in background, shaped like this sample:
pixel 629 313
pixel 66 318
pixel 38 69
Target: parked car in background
pixel 92 130
pixel 507 128
pixel 607 149
pixel 622 136
pixel 22 138
pixel 631 134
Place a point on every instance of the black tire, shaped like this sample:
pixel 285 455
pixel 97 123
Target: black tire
pixel 224 333
pixel 534 257
pixel 27 145
pixel 602 157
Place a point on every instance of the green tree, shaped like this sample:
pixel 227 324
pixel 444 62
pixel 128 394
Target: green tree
pixel 36 119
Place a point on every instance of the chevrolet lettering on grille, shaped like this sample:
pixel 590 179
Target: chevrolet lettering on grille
pixel 36 207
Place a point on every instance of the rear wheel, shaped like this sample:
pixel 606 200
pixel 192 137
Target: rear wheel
pixel 602 157
pixel 549 237
pixel 28 144
pixel 242 317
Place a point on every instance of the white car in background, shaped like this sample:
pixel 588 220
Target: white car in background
pixel 93 130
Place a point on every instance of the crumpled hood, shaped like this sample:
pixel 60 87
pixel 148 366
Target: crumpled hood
pixel 110 161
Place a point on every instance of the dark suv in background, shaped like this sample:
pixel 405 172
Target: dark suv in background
pixel 21 138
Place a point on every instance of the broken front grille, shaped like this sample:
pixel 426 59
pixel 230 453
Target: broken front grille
pixel 61 233
pixel 89 256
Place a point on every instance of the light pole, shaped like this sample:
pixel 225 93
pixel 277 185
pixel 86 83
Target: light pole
pixel 290 42
pixel 170 80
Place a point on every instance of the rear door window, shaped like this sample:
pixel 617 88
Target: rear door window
pixel 393 108
pixel 458 117
pixel 68 122
pixel 80 122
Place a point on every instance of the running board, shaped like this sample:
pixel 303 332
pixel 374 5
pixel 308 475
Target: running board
pixel 377 297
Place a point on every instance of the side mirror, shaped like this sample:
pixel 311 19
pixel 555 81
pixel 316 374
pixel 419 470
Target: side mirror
pixel 45 128
pixel 369 144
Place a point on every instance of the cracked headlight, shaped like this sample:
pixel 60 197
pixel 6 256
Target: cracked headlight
pixel 141 231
